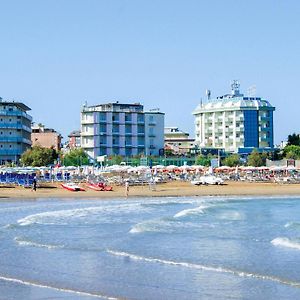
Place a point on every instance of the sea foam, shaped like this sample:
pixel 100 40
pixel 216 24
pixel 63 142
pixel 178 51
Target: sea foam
pixel 65 290
pixel 285 242
pixel 62 217
pixel 191 211
pixel 28 243
pixel 204 268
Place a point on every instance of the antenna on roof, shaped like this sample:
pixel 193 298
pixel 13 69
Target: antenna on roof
pixel 251 91
pixel 208 94
pixel 235 88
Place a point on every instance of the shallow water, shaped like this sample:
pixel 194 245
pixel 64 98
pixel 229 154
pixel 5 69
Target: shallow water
pixel 164 248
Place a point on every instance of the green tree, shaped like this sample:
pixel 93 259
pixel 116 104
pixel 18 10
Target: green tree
pixel 38 156
pixel 291 152
pixel 294 139
pixel 231 160
pixel 203 160
pixel 257 159
pixel 76 157
pixel 115 159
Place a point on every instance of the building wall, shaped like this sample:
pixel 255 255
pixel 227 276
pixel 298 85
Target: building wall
pixel 154 133
pixel 15 131
pixel 120 132
pixel 234 125
pixel 46 139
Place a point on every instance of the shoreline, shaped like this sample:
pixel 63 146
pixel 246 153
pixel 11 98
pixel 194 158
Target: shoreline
pixel 170 189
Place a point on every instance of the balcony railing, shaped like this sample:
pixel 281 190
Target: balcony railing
pixel 15 113
pixel 10 152
pixel 13 139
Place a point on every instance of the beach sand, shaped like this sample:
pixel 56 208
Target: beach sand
pixel 175 188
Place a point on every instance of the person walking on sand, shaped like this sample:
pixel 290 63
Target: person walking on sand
pixel 34 184
pixel 126 189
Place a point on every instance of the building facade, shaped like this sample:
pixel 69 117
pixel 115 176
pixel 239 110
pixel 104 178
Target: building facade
pixel 178 141
pixel 235 123
pixel 121 129
pixel 15 130
pixel 74 139
pixel 45 137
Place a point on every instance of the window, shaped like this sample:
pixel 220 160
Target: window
pixel 9 146
pixel 10 132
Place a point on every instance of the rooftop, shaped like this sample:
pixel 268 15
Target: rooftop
pixel 20 105
pixel 235 100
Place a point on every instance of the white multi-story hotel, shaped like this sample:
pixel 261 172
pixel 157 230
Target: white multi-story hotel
pixel 121 129
pixel 15 130
pixel 235 122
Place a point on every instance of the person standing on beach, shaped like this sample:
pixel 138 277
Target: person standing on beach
pixel 126 189
pixel 34 184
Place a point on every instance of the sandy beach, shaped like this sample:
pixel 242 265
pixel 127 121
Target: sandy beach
pixel 174 188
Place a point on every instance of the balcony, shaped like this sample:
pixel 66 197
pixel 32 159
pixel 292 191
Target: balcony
pixel 265 128
pixel 128 145
pixel 141 133
pixel 87 133
pixel 10 152
pixel 15 113
pixel 87 122
pixel 151 123
pixel 152 147
pixel 11 139
pixel 151 135
pixel 128 133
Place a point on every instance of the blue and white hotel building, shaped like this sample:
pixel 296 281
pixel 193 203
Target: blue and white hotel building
pixel 235 123
pixel 15 130
pixel 121 129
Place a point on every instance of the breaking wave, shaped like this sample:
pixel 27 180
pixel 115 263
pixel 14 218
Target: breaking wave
pixel 204 268
pixel 285 242
pixel 66 290
pixel 292 225
pixel 191 211
pixel 63 217
pixel 165 226
pixel 24 242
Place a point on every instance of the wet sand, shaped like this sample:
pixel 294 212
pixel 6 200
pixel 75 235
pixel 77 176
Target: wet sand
pixel 174 188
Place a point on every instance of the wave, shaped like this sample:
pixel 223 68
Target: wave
pixel 62 217
pixel 204 268
pixel 191 211
pixel 66 290
pixel 23 242
pixel 152 226
pixel 165 225
pixel 231 215
pixel 285 242
pixel 292 225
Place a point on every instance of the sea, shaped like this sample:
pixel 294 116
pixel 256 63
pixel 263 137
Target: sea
pixel 150 248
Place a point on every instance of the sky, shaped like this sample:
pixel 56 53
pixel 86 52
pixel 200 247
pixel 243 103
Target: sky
pixel 55 55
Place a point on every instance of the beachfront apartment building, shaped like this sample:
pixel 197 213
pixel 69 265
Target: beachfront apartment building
pixel 178 141
pixel 121 129
pixel 235 123
pixel 15 130
pixel 45 137
pixel 74 139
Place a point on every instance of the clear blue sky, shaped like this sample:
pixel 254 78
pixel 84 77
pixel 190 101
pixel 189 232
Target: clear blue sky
pixel 54 55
